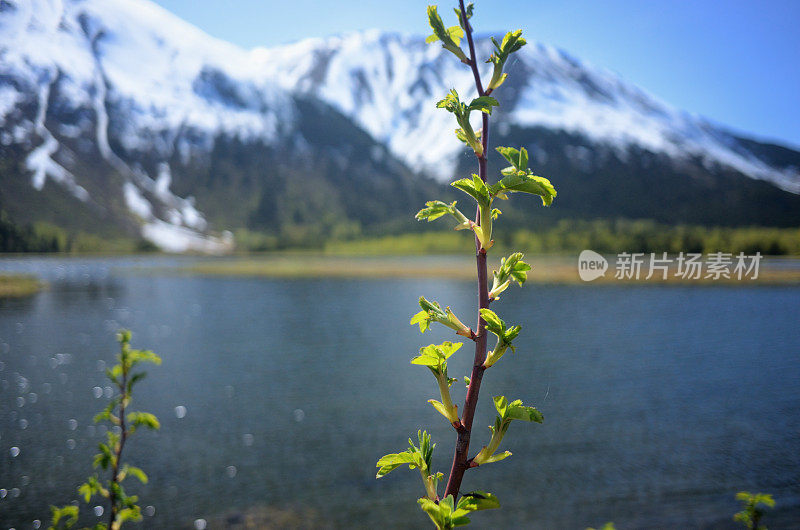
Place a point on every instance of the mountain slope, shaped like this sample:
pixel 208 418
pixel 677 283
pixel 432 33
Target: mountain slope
pixel 588 129
pixel 118 118
pixel 118 112
pixel 388 83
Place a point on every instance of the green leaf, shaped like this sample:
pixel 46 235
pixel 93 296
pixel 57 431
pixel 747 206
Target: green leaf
pixel 433 312
pixel 475 188
pixel 435 21
pixel 483 104
pixel 501 404
pixel 766 499
pixel 514 267
pixel 471 138
pixel 139 419
pixel 493 322
pixel 85 490
pixel 497 457
pixel 449 37
pixel 456 34
pixel 515 410
pixel 68 515
pixel 445 516
pixel 511 334
pixel 425 449
pixel 138 473
pixel 443 410
pixel 523 158
pixel 415 457
pixel 434 355
pixel 507 412
pixel 421 360
pixel 477 500
pixel 452 103
pixel 511 268
pixel 114 372
pixel 423 320
pixel 511 43
pixel 524 183
pixel 439 513
pixel 132 513
pixel 143 356
pixel 105 458
pixel 390 462
pixel 512 155
pixel 436 209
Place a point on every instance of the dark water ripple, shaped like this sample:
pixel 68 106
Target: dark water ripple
pixel 659 403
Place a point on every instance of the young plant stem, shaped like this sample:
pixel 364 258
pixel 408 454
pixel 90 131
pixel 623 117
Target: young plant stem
pixel 112 497
pixel 460 457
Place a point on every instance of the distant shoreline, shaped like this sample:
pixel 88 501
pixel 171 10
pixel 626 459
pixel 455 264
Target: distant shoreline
pixel 19 285
pixel 546 270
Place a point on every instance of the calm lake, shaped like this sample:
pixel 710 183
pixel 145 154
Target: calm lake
pixel 278 396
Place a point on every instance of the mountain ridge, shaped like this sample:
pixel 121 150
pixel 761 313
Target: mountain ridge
pixel 117 116
pixel 559 91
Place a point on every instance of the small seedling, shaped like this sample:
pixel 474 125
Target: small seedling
pixel 122 423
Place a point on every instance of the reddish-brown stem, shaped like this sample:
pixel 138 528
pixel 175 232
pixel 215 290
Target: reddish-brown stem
pixel 460 458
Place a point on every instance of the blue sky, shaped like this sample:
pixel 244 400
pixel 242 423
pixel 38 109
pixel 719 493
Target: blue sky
pixel 736 62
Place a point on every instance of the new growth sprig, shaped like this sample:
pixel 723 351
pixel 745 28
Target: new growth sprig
pixel 506 413
pixel 518 179
pixel 435 358
pixel 433 312
pixel 416 457
pixel 123 423
pixel 452 103
pixel 511 269
pixel 504 336
pixel 449 37
pixel 451 509
pixel 512 42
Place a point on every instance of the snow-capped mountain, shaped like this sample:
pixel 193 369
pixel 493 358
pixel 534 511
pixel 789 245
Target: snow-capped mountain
pixel 118 117
pixel 389 84
pixel 85 58
pixel 149 101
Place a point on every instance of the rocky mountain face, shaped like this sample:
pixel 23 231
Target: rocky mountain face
pixel 120 118
pixel 613 149
pixel 117 117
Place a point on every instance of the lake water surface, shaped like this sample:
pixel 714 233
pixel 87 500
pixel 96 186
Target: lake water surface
pixel 660 403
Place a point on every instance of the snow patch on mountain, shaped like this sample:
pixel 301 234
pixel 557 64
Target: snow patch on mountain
pixel 174 238
pixel 40 160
